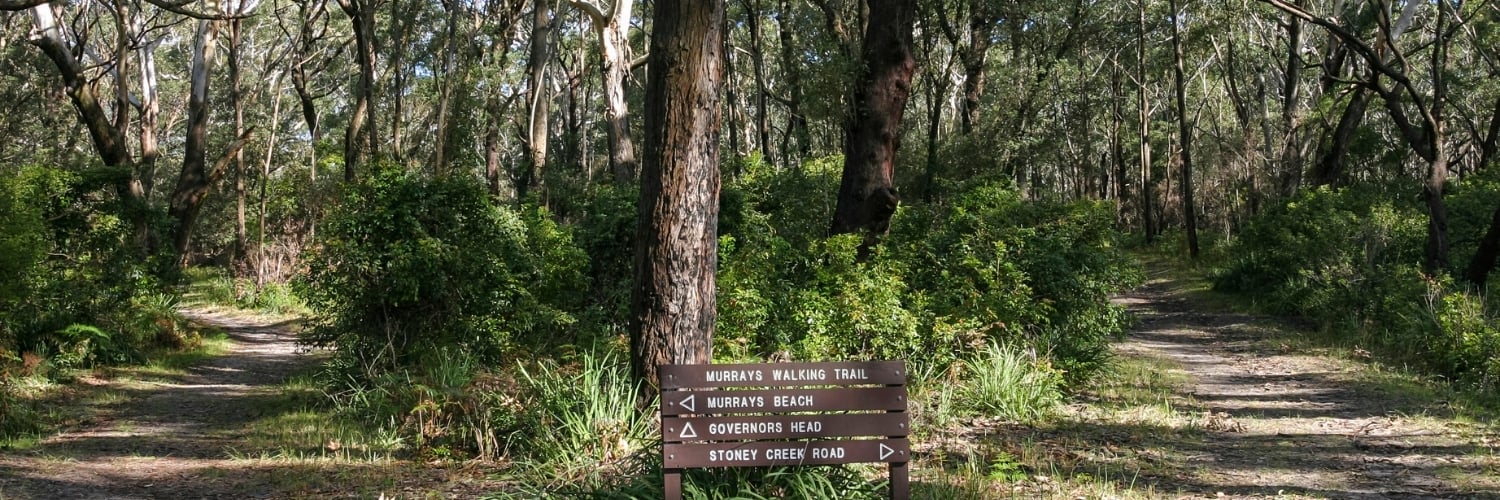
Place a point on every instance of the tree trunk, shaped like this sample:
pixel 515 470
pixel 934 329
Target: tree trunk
pixel 500 183
pixel 1185 129
pixel 792 71
pixel 445 97
pixel 732 113
pixel 539 103
pixel 1291 161
pixel 758 68
pixel 360 140
pixel 867 193
pixel 613 27
pixel 1148 191
pixel 194 182
pixel 1484 259
pixel 676 251
pixel 241 266
pixel 109 141
pixel 981 28
pixel 265 174
pixel 936 81
pixel 397 60
pixel 1330 166
pixel 934 125
pixel 507 14
pixel 1117 130
pixel 1436 249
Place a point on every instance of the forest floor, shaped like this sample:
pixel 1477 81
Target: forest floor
pixel 218 429
pixel 1210 403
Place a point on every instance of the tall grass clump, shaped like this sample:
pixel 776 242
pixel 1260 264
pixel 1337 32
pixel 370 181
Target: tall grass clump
pixel 581 423
pixel 1010 383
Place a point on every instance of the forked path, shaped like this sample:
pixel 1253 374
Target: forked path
pixel 1274 420
pixel 163 437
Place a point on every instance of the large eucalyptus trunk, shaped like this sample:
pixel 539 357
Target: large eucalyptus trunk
pixel 676 250
pixel 867 193
pixel 194 182
pixel 613 27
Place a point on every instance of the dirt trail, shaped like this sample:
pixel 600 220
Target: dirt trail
pixel 1274 421
pixel 165 437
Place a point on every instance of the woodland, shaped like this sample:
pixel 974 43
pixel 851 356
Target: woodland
pixel 491 220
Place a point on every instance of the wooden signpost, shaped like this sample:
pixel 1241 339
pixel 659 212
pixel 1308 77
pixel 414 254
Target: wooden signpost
pixel 784 414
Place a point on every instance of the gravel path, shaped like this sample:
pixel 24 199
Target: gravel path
pixel 1277 422
pixel 168 438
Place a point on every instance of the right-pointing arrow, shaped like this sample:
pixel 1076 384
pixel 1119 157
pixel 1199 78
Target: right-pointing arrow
pixel 689 403
pixel 885 451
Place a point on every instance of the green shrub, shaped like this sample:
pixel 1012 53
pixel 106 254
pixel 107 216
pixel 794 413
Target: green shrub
pixel 408 265
pixel 1349 259
pixel 606 234
pixel 1031 273
pixel 76 275
pixel 947 282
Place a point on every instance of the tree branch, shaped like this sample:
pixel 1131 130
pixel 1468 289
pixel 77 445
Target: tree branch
pixel 593 11
pixel 221 165
pixel 177 7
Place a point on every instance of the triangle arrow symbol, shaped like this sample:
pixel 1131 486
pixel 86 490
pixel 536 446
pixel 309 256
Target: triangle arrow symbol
pixel 687 431
pixel 689 403
pixel 885 451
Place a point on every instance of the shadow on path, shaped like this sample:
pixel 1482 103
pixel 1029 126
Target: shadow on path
pixel 1257 419
pixel 165 432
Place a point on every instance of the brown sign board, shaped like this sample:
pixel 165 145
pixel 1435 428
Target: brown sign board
pixel 679 429
pixel 783 374
pixel 784 414
pixel 772 453
pixel 782 400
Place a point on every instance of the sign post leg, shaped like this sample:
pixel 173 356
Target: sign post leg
pixel 671 484
pixel 900 486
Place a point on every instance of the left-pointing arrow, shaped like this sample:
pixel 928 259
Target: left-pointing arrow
pixel 689 403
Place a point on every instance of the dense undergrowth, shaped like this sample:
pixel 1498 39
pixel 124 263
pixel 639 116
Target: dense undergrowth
pixel 77 290
pixel 461 328
pixel 489 331
pixel 1351 259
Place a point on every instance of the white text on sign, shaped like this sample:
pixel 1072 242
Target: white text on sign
pixel 816 452
pixel 737 402
pixel 738 428
pixel 788 375
pixel 732 455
